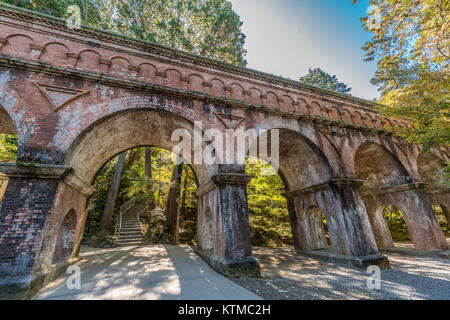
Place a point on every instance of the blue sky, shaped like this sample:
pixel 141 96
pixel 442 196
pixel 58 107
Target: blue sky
pixel 286 37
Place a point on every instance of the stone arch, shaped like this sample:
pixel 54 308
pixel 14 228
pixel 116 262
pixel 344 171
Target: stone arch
pixel 237 92
pixel 173 78
pixel 315 109
pixel 255 96
pixel 55 53
pixel 147 72
pixel 217 88
pixel 347 115
pixel 302 107
pixel 6 122
pixel 120 131
pixel 431 172
pixel 196 82
pixel 89 60
pixel 387 181
pixel 66 237
pixel 378 166
pixel 119 67
pixel 430 168
pixel 18 45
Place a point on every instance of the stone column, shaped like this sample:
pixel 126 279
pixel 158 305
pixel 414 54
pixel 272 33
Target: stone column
pixel 351 235
pixel 378 222
pixel 232 252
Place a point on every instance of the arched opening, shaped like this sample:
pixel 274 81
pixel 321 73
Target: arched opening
pixel 397 225
pixel 431 172
pixel 397 211
pixel 8 145
pixel 268 210
pixel 443 216
pixel 142 194
pixel 95 154
pixel 66 237
pixel 281 214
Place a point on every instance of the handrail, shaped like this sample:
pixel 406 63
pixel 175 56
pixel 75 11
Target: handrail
pixel 123 208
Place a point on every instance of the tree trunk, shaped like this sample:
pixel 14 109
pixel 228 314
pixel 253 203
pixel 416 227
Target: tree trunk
pixel 112 194
pixel 172 212
pixel 149 174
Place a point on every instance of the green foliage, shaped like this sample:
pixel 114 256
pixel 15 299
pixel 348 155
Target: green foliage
pixel 412 50
pixel 206 27
pixel 8 147
pixel 269 218
pixel 396 223
pixel 319 78
pixel 155 226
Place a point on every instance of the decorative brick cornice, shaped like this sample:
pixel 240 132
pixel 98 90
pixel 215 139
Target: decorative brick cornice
pixel 133 68
pixel 38 20
pixel 73 55
pixel 105 62
pixel 160 74
pixel 36 47
pixel 333 183
pixel 107 80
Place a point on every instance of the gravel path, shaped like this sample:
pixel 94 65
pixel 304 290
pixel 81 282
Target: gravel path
pixel 287 276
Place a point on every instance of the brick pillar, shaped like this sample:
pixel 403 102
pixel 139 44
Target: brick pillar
pixel 27 202
pixel 34 202
pixel 351 235
pixel 232 252
pixel 411 199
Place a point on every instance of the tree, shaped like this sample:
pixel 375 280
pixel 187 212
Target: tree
pixel 90 13
pixel 8 147
pixel 206 27
pixel 319 78
pixel 112 195
pixel 411 44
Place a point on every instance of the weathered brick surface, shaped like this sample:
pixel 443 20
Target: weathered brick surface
pixel 80 97
pixel 24 211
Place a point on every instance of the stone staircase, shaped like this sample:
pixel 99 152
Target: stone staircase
pixel 130 233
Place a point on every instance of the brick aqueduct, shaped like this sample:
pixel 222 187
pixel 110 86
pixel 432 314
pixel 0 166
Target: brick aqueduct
pixel 77 98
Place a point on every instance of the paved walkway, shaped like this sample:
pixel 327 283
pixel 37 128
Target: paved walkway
pixel 145 273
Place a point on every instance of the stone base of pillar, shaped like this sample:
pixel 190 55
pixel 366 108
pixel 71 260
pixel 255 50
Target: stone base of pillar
pixel 443 254
pixel 235 268
pixel 26 287
pixel 357 261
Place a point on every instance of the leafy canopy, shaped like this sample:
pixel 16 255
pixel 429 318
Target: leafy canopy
pixel 319 78
pixel 412 48
pixel 206 27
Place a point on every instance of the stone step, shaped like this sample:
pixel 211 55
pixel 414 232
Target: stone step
pixel 130 236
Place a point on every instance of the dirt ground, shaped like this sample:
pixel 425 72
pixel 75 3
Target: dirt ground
pixel 289 276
